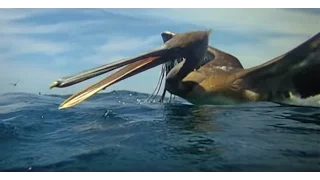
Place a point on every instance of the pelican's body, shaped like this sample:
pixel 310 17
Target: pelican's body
pixel 207 75
pixel 209 84
pixel 221 79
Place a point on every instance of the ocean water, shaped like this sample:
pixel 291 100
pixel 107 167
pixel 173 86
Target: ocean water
pixel 119 131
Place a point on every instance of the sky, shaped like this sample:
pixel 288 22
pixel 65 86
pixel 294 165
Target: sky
pixel 38 46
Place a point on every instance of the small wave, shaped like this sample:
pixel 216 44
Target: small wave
pixel 313 101
pixel 11 118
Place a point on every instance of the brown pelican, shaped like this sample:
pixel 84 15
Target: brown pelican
pixel 207 75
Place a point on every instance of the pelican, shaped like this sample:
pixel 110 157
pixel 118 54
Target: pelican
pixel 207 75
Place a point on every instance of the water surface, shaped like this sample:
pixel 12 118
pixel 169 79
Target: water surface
pixel 118 131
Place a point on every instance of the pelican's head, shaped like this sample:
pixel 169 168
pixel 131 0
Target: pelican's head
pixel 187 44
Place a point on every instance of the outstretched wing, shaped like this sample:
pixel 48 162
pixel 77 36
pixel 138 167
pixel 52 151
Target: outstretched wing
pixel 297 71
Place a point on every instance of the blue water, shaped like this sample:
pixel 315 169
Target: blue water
pixel 118 131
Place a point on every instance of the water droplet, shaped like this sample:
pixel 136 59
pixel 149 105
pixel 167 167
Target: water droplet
pixel 107 112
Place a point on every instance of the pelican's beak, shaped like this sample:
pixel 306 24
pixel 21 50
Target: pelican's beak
pixel 172 49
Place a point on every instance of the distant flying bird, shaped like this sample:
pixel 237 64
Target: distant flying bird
pixel 14 84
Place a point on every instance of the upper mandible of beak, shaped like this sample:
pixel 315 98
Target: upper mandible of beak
pixel 54 84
